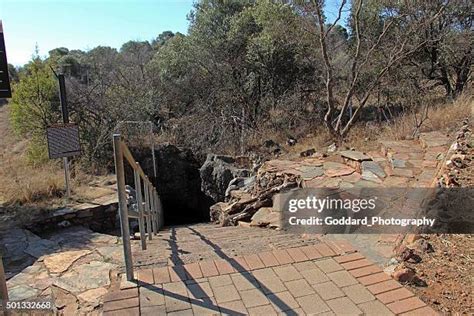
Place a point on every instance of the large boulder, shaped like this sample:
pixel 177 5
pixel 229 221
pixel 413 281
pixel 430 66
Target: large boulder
pixel 218 171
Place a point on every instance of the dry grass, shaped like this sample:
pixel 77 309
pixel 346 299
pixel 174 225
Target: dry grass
pixel 43 185
pixel 442 117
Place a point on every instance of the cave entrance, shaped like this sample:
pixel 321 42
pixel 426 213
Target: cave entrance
pixel 178 183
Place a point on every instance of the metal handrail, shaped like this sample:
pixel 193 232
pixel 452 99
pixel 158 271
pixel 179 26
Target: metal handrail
pixel 148 202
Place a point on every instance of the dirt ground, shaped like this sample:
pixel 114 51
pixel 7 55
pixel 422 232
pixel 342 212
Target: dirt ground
pixel 448 270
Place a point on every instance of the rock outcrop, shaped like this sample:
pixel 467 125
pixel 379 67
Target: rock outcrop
pixel 218 171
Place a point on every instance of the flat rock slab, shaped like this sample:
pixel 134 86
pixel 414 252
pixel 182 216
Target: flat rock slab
pixel 336 169
pixel 60 262
pixel 22 292
pixel 434 139
pixel 85 277
pixel 398 163
pixel 41 247
pixel 405 173
pixel 354 155
pixel 310 172
pixel 371 171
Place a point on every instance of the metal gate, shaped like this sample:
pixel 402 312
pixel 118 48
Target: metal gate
pixel 148 205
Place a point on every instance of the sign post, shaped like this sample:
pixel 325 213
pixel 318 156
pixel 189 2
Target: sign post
pixel 65 114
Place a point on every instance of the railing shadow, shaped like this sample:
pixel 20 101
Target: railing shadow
pixel 239 268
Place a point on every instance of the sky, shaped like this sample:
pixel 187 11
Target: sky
pixel 85 24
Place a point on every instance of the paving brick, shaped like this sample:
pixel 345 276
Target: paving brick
pixel 121 304
pixel 374 278
pixel 282 256
pixel 152 310
pixel 271 285
pixel 299 288
pixel 178 288
pixel 304 266
pixel 383 286
pixel 193 270
pixel 264 274
pixel 254 297
pixel 349 257
pixel 161 275
pixel 220 280
pixel 328 265
pixel 394 295
pixel 177 273
pixel 233 308
pixel 287 273
pixel 365 271
pixel 200 290
pixel 406 305
pixel 268 259
pixel 344 306
pixel 358 293
pixel 324 250
pixel 151 296
pixel 244 281
pixel 311 252
pixel 297 255
pixel 226 293
pixel 312 304
pixel 254 262
pixel 314 276
pixel 133 311
pixel 145 276
pixel 223 266
pixel 375 308
pixel 120 295
pixel 340 246
pixel 186 312
pixel 342 278
pixel 239 264
pixel 328 290
pixel 262 310
pixel 357 264
pixel 425 311
pixel 194 281
pixel 208 268
pixel 283 301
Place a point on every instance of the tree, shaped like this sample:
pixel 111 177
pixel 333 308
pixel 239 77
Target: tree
pixel 382 36
pixel 35 106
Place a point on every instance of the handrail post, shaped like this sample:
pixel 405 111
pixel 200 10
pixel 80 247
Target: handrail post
pixel 141 224
pixel 123 211
pixel 3 285
pixel 153 209
pixel 147 208
pixel 157 202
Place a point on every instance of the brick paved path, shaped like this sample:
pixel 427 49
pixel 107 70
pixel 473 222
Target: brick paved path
pixel 208 270
pixel 327 278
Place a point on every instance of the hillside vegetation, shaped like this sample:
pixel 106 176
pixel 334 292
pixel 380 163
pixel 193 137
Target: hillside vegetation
pixel 253 70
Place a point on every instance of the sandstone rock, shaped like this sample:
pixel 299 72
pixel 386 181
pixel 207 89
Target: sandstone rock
pixel 354 155
pixel 85 277
pixel 60 262
pixel 335 169
pixel 22 292
pixel 261 213
pixel 93 296
pixel 243 224
pixel 310 172
pixel 404 275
